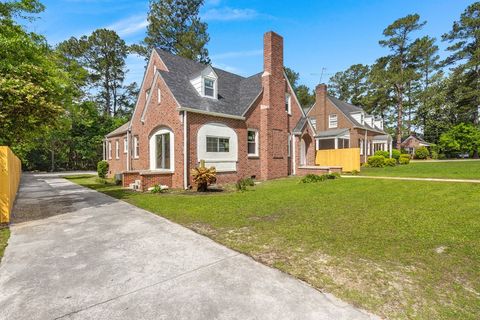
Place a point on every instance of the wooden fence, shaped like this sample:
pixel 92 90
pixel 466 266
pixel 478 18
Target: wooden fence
pixel 348 159
pixel 10 172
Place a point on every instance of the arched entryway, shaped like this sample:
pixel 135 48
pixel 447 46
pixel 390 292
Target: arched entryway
pixel 305 145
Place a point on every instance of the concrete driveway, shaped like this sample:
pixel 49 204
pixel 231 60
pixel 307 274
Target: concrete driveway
pixel 89 256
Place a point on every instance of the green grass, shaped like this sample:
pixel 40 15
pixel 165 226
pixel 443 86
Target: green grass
pixel 448 170
pixel 403 250
pixel 4 235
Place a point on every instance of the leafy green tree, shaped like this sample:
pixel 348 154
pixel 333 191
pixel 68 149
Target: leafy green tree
pixel 463 138
pixel 32 84
pixel 292 77
pixel 399 70
pixel 103 54
pixel 305 97
pixel 175 26
pixel 465 48
pixel 351 85
pixel 465 58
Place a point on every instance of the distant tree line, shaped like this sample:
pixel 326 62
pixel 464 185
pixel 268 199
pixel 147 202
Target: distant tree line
pixel 412 89
pixel 57 103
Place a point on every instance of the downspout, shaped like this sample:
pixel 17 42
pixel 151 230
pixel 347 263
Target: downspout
pixel 128 150
pixel 185 155
pixel 294 158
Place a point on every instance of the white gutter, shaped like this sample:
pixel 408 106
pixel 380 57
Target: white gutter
pixel 185 157
pixel 215 114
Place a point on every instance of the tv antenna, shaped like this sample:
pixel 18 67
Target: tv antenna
pixel 320 74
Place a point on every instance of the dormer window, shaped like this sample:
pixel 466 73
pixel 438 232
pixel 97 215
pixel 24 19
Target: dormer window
pixel 362 118
pixel 209 87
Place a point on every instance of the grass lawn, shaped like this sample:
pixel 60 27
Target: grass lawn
pixel 401 249
pixel 451 170
pixel 4 235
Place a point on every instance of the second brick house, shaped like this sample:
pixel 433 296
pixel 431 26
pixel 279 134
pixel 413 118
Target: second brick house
pixel 187 112
pixel 339 125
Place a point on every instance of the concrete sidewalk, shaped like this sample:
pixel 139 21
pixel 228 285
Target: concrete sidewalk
pixel 95 257
pixel 414 179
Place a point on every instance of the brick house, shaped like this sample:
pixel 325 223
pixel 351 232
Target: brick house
pixel 339 125
pixel 413 142
pixel 187 112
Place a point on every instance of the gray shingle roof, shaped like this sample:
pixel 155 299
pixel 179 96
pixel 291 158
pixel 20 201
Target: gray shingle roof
pixel 119 131
pixel 331 133
pixel 300 124
pixel 347 109
pixel 235 93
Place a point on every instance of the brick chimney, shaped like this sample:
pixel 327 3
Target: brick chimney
pixel 274 118
pixel 321 106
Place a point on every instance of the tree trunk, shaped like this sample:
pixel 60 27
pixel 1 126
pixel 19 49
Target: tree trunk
pixel 52 159
pixel 400 118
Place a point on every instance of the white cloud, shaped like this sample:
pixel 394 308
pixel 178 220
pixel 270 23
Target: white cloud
pixel 229 14
pixel 227 68
pixel 236 54
pixel 129 25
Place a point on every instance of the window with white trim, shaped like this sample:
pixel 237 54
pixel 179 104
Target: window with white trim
pixel 252 142
pixel 161 149
pixel 136 147
pixel 314 123
pixel 332 121
pixel 117 149
pixel 125 145
pixel 369 147
pixel 209 87
pixel 360 143
pixel 218 144
pixel 288 103
pixel 159 95
pixel 109 150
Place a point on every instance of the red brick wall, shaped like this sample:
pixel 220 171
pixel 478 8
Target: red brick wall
pixel 116 165
pixel 163 114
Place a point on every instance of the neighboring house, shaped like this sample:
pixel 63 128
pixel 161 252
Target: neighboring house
pixel 341 125
pixel 187 112
pixel 413 142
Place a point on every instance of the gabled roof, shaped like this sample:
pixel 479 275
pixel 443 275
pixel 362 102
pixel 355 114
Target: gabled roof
pixel 235 93
pixel 300 125
pixel 412 136
pixel 119 131
pixel 347 109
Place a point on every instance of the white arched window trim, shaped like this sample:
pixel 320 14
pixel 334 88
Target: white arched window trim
pixel 222 161
pixel 153 150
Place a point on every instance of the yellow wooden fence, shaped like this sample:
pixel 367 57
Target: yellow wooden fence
pixel 348 159
pixel 10 172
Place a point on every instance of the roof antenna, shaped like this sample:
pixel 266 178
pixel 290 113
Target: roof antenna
pixel 321 74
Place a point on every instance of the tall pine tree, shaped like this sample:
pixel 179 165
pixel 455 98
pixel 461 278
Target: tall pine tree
pixel 175 26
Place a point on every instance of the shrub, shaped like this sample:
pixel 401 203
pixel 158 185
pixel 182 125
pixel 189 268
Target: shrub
pixel 332 176
pixel 158 188
pixel 395 154
pixel 355 172
pixel 404 159
pixel 312 178
pixel 102 169
pixel 390 162
pixel 203 176
pixel 376 161
pixel 242 184
pixel 422 153
pixel 385 154
pixel 434 155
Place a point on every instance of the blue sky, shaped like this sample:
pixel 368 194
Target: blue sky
pixel 317 34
